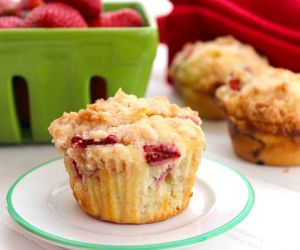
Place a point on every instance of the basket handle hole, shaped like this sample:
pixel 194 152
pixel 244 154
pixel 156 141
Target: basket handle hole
pixel 21 97
pixel 97 88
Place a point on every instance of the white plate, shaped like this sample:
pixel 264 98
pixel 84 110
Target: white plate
pixel 42 203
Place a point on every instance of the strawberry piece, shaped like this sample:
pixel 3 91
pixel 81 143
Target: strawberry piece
pixel 160 152
pixel 76 169
pixel 234 84
pixel 78 141
pixel 111 139
pixel 7 22
pixel 89 9
pixel 53 15
pixel 118 18
pixel 192 118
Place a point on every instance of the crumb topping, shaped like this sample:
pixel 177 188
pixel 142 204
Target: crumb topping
pixel 268 102
pixel 125 123
pixel 206 65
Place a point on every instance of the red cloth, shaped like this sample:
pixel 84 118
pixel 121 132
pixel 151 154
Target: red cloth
pixel 272 27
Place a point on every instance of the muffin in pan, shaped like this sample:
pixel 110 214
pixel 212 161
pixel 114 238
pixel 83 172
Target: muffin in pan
pixel 131 160
pixel 264 116
pixel 200 68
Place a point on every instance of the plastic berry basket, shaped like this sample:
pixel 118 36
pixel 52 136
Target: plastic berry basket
pixel 49 71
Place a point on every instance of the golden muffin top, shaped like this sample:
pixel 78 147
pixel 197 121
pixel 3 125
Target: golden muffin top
pixel 130 120
pixel 268 102
pixel 206 65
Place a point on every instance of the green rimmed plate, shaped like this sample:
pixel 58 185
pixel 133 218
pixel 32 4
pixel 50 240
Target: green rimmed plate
pixel 41 202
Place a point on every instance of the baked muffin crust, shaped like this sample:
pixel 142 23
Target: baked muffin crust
pixel 131 160
pixel 268 102
pixel 132 121
pixel 206 65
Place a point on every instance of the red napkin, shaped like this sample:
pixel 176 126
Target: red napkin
pixel 272 27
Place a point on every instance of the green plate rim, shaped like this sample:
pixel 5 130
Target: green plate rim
pixel 166 245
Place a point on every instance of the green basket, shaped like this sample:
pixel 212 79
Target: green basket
pixel 57 66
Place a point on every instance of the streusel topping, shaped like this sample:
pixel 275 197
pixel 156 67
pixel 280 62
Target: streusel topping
pixel 206 65
pixel 125 121
pixel 268 102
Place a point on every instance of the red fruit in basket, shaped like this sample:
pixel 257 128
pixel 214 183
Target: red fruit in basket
pixel 89 9
pixel 30 4
pixel 53 15
pixel 118 18
pixel 9 7
pixel 7 22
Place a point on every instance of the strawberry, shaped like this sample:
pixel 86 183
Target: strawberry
pixel 53 15
pixel 196 120
pixel 118 18
pixel 79 142
pixel 89 9
pixel 9 7
pixel 7 22
pixel 234 84
pixel 76 169
pixel 29 4
pixel 159 152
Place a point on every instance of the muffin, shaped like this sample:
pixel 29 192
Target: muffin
pixel 200 68
pixel 264 116
pixel 130 160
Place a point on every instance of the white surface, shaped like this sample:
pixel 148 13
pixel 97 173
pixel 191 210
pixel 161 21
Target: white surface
pixel 53 210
